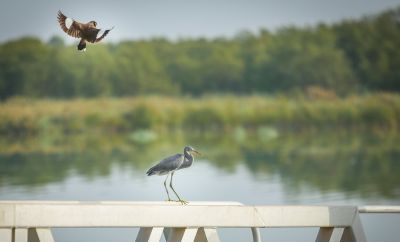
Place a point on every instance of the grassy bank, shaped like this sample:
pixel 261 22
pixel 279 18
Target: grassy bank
pixel 24 117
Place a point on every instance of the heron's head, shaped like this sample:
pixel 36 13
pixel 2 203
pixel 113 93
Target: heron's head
pixel 190 149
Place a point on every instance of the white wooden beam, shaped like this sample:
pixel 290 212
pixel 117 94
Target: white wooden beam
pixel 39 215
pixel 379 209
pixel 7 214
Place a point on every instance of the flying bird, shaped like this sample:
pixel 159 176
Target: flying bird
pixel 87 32
pixel 171 164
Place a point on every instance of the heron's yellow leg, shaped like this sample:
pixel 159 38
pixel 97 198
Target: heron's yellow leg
pixel 165 185
pixel 183 202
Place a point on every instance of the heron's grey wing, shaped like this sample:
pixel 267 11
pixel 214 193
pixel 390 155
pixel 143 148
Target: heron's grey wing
pixel 166 165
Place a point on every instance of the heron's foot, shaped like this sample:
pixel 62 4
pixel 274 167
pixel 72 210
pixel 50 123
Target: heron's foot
pixel 183 202
pixel 169 200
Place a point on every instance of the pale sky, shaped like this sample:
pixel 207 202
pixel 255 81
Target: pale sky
pixel 173 19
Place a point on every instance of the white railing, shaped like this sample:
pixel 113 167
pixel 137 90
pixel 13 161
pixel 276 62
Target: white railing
pixel 31 221
pixel 379 209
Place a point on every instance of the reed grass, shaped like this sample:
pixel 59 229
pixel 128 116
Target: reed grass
pixel 28 117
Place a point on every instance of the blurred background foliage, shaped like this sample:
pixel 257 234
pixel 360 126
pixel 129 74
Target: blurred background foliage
pixel 379 113
pixel 353 56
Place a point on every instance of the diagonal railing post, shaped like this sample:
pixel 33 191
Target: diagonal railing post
pixel 40 235
pixel 21 235
pixel 329 234
pixel 149 234
pixel 6 235
pixel 207 235
pixel 182 235
pixel 354 233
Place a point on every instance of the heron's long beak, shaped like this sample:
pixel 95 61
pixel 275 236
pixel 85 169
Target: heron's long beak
pixel 195 151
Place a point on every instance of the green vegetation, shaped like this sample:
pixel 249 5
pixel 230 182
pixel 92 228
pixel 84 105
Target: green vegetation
pixel 355 56
pixel 222 114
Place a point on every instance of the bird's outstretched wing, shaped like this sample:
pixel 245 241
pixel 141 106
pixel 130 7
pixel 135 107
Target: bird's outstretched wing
pixel 69 26
pixel 166 165
pixel 103 35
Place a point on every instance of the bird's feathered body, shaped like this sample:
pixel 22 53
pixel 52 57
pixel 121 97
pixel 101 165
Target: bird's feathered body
pixel 171 164
pixel 87 32
pixel 167 165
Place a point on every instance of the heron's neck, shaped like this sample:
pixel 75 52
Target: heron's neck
pixel 188 156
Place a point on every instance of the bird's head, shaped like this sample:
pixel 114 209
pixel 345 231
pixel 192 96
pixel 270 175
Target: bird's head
pixel 190 149
pixel 94 23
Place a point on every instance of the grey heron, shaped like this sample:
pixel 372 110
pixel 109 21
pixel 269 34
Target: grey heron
pixel 171 164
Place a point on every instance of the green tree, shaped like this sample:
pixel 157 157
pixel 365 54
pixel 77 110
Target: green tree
pixel 302 58
pixel 373 47
pixel 23 65
pixel 139 70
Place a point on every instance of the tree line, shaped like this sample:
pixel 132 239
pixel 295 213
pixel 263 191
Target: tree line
pixel 352 56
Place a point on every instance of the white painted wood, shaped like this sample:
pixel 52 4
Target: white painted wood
pixel 175 217
pixel 329 234
pixel 171 215
pixel 207 235
pixel 149 234
pixel 202 235
pixel 40 235
pixel 195 203
pixel 337 235
pixel 166 233
pixel 21 235
pixel 32 235
pixel 5 235
pixel 348 235
pixel 357 229
pixel 355 233
pixel 379 209
pixel 324 234
pixel 256 234
pixel 303 216
pixel 44 235
pixel 182 235
pixel 7 214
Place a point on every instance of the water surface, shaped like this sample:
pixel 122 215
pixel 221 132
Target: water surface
pixel 322 168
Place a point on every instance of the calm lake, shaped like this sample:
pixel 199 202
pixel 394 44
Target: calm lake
pixel 263 167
